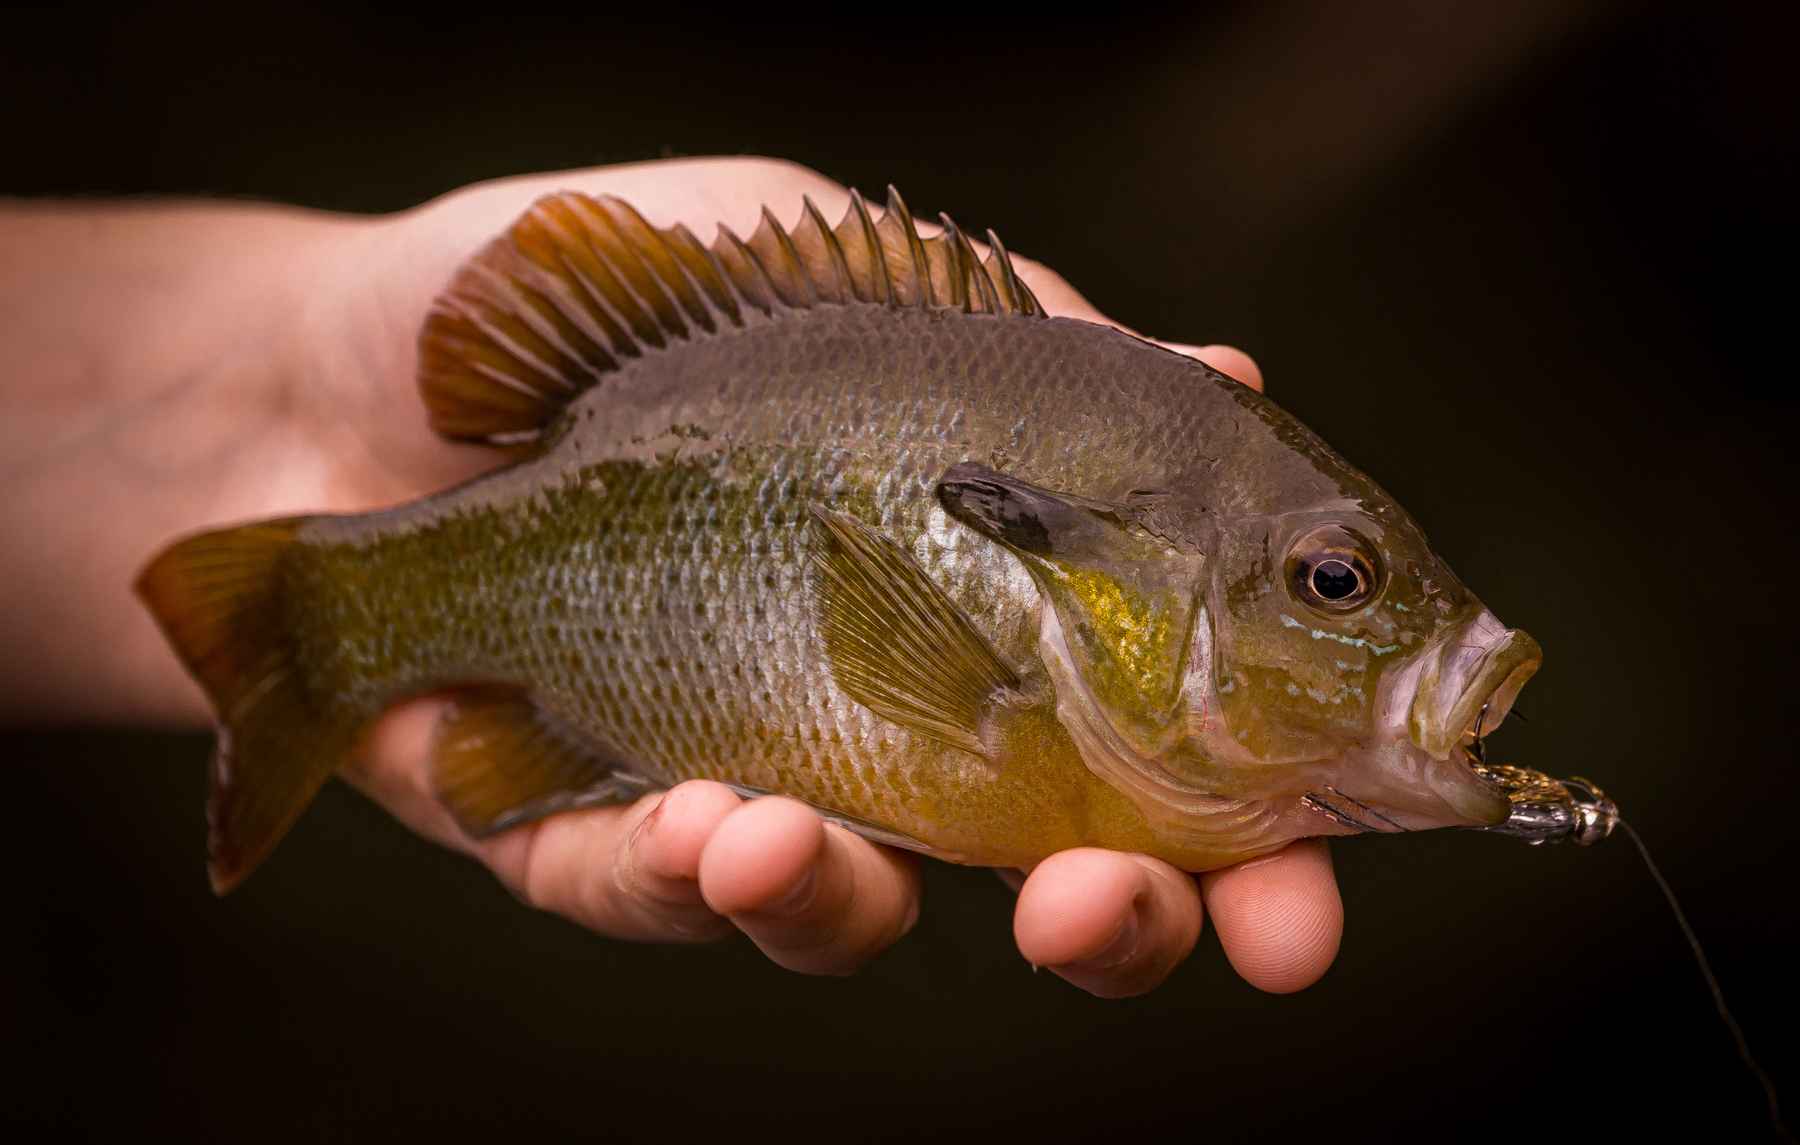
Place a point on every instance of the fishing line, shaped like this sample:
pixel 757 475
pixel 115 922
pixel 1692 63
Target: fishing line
pixel 1712 984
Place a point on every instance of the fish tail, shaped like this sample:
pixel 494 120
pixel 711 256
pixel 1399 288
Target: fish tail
pixel 218 597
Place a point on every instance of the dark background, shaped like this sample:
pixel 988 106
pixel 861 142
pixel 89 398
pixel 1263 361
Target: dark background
pixel 1521 265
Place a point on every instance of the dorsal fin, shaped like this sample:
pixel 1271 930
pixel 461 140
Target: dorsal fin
pixel 580 284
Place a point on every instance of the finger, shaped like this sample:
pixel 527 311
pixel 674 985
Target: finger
pixel 1228 360
pixel 1061 299
pixel 627 872
pixel 394 769
pixel 812 896
pixel 1279 918
pixel 1113 924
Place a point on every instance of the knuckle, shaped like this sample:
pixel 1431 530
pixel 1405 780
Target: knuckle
pixel 1039 275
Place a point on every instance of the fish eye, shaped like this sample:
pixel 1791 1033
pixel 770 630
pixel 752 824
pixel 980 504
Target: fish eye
pixel 1333 570
pixel 1335 580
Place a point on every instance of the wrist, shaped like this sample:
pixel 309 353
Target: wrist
pixel 154 357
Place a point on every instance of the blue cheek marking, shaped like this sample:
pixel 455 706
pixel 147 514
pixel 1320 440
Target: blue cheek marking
pixel 1352 641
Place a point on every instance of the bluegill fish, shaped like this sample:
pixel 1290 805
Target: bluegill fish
pixel 840 513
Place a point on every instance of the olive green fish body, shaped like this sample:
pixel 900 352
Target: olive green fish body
pixel 840 514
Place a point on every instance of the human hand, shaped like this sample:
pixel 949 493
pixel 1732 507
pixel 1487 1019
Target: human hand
pixel 337 425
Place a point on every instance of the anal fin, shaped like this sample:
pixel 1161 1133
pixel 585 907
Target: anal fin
pixel 501 760
pixel 896 642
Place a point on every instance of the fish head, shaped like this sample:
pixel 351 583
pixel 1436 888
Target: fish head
pixel 1292 659
pixel 1346 665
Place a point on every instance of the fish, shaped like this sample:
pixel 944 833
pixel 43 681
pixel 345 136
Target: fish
pixel 840 513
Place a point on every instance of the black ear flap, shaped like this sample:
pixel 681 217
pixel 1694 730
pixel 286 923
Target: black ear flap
pixel 1026 518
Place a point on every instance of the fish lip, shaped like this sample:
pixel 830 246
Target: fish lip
pixel 1484 667
pixel 1490 698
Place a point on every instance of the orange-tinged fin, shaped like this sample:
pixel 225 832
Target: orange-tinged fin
pixel 896 642
pixel 580 285
pixel 217 597
pixel 500 760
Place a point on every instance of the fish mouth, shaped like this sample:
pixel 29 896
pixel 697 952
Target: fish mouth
pixel 1470 687
pixel 1481 674
pixel 1439 710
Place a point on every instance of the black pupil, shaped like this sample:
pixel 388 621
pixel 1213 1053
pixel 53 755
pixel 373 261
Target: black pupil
pixel 1335 580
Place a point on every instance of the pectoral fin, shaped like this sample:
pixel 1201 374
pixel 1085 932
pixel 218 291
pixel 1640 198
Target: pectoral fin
pixel 896 642
pixel 500 760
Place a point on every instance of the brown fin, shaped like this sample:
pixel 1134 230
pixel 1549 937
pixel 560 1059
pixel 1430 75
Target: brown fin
pixel 217 597
pixel 579 285
pixel 500 761
pixel 896 642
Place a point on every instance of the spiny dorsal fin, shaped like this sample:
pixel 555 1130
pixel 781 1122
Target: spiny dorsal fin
pixel 896 642
pixel 580 284
pixel 499 760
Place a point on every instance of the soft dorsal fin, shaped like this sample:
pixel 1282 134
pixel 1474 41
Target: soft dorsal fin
pixel 580 284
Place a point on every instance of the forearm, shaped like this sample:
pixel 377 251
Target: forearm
pixel 152 355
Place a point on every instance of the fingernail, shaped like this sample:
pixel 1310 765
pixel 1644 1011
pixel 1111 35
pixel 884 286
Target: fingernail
pixel 1118 951
pixel 645 824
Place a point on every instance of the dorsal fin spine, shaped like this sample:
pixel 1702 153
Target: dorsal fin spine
pixel 968 269
pixel 713 282
pixel 845 290
pixel 958 274
pixel 880 280
pixel 764 284
pixel 1022 298
pixel 915 247
pixel 806 291
pixel 984 286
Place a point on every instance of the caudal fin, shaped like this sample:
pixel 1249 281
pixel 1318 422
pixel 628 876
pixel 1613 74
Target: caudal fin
pixel 218 599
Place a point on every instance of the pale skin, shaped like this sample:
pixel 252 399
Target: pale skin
pixel 169 367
